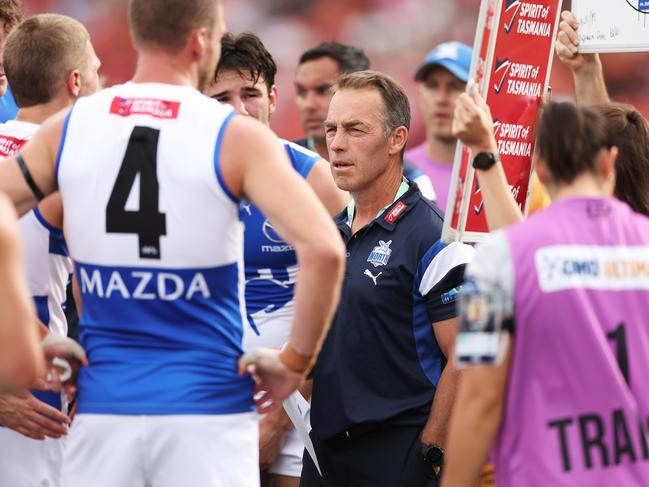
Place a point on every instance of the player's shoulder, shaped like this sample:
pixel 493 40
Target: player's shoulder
pixel 298 149
pixel 298 152
pixel 302 159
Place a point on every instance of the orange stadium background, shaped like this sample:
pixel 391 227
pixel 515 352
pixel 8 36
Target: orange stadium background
pixel 396 34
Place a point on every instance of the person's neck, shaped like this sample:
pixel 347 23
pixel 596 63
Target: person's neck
pixel 440 150
pixel 158 66
pixel 320 145
pixel 585 185
pixel 369 201
pixel 39 113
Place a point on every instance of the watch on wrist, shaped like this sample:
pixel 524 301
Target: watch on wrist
pixel 433 455
pixel 485 160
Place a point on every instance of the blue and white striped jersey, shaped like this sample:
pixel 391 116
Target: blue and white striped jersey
pixel 157 244
pixel 270 267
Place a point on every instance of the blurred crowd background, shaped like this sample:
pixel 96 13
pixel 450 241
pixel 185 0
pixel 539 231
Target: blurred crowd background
pixel 396 35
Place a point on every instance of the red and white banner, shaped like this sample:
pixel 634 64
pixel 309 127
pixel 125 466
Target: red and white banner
pixel 515 44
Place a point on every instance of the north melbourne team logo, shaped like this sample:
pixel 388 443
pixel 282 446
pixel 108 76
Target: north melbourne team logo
pixel 381 254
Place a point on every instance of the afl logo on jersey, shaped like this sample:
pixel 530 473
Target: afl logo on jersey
pixel 270 233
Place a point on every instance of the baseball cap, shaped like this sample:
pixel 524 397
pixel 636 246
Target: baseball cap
pixel 453 56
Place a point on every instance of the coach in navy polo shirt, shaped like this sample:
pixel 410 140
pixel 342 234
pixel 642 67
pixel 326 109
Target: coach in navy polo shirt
pixel 382 390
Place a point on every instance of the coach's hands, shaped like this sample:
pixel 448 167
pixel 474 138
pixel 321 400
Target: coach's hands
pixel 567 46
pixel 274 381
pixel 23 413
pixel 472 122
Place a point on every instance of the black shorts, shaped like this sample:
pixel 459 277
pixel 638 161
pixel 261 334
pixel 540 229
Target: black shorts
pixel 386 457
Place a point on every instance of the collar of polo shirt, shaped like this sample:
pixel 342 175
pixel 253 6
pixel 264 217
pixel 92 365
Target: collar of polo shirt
pixel 351 207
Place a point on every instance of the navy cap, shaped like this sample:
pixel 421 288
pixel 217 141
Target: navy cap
pixel 453 56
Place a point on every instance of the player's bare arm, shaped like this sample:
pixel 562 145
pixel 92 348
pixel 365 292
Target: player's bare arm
pixel 322 182
pixel 436 429
pixel 39 157
pixel 21 359
pixel 476 418
pixel 255 166
pixel 590 87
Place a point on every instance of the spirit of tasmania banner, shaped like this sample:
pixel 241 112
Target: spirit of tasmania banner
pixel 511 64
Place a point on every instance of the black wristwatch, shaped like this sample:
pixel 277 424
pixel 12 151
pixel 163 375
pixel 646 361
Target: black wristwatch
pixel 485 160
pixel 433 455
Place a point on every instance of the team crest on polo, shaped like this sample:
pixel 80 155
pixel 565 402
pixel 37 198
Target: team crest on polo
pixel 381 254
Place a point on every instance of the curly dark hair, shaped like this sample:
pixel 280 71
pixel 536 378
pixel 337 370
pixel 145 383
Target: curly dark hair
pixel 246 53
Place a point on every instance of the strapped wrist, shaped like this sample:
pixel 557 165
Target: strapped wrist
pixel 294 360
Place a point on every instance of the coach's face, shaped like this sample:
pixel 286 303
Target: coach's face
pixel 358 149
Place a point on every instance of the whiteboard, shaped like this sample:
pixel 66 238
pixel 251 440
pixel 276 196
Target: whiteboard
pixel 612 25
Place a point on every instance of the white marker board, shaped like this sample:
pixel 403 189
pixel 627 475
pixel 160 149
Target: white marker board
pixel 612 25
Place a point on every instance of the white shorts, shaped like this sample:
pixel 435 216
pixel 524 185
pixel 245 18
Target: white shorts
pixel 30 463
pixel 162 451
pixel 289 461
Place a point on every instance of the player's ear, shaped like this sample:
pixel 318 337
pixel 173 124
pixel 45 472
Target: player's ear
pixel 272 97
pixel 73 83
pixel 199 39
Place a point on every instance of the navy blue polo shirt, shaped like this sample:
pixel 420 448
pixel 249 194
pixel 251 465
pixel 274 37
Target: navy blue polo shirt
pixel 380 362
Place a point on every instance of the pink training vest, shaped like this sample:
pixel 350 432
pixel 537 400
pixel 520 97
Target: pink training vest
pixel 578 395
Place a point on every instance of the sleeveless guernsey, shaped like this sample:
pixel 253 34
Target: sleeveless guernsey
pixel 157 244
pixel 47 263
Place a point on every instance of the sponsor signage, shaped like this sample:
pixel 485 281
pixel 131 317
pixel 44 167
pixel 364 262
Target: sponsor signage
pixel 515 44
pixel 10 145
pixel 125 107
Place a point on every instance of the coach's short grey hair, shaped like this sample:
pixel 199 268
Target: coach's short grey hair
pixel 396 107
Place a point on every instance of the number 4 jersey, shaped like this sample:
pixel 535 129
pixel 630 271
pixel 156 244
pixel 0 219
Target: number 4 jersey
pixel 575 277
pixel 157 244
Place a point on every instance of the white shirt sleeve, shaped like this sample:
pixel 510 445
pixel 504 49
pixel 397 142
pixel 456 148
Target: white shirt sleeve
pixel 492 271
